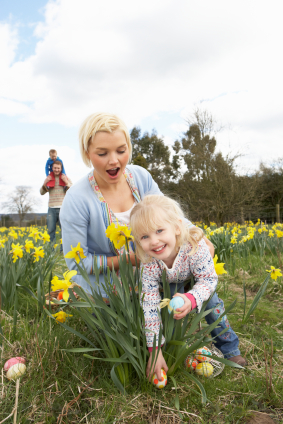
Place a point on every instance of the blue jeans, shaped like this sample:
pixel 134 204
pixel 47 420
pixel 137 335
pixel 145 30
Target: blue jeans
pixel 52 219
pixel 228 342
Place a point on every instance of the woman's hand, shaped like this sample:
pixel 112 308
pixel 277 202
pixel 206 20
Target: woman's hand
pixel 185 309
pixel 160 363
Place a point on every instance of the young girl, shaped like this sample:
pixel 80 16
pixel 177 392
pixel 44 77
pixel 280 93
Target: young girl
pixel 164 241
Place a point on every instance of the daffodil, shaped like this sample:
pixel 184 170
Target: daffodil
pixel 219 267
pixel 45 237
pixel 76 253
pixel 274 273
pixel 61 316
pixel 2 242
pixel 118 235
pixel 38 253
pixel 35 234
pixel 29 245
pixel 271 233
pixel 17 251
pixel 279 233
pixel 13 234
pixel 63 284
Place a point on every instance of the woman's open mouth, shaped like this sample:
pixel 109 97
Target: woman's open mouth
pixel 113 172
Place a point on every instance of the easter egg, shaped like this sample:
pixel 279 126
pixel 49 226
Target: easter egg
pixel 175 303
pixel 191 363
pixel 204 368
pixel 16 371
pixel 60 295
pixel 13 361
pixel 160 384
pixel 203 354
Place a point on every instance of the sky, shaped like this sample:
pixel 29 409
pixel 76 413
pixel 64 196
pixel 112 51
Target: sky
pixel 152 62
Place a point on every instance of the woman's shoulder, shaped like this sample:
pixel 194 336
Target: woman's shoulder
pixel 143 180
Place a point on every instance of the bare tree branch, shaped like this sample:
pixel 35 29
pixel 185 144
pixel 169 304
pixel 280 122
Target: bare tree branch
pixel 21 202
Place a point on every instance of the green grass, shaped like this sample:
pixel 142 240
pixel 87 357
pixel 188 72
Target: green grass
pixel 62 387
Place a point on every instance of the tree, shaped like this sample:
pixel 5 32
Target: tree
pixel 210 188
pixel 21 202
pixel 150 152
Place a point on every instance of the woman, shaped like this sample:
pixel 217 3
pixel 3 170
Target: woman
pixel 107 194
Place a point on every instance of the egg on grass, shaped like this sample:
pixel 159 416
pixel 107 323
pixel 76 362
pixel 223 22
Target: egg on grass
pixel 205 369
pixel 16 371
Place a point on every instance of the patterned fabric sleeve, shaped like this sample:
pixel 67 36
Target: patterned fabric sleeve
pixel 202 267
pixel 150 301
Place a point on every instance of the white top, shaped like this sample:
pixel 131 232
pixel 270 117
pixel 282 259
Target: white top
pixel 124 217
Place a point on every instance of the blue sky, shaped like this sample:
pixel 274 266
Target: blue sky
pixel 64 59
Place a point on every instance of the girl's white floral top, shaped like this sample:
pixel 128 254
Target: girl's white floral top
pixel 200 265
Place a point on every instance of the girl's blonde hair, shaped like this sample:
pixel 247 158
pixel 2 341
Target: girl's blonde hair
pixel 150 214
pixel 99 122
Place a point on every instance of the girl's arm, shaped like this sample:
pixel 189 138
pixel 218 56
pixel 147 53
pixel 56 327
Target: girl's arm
pixel 150 301
pixel 202 267
pixel 159 364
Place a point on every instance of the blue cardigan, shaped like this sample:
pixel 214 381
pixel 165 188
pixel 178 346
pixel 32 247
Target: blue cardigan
pixel 82 221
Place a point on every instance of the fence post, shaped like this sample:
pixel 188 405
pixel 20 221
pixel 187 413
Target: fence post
pixel 277 212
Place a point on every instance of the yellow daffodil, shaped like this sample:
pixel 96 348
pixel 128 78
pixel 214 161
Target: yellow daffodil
pixel 29 245
pixel 234 240
pixel 55 245
pixel 17 251
pixel 13 234
pixel 260 230
pixel 38 253
pixel 271 233
pixel 76 253
pixel 61 241
pixel 63 284
pixel 279 233
pixel 45 237
pixel 219 267
pixel 61 316
pixel 118 235
pixel 2 242
pixel 274 273
pixel 35 234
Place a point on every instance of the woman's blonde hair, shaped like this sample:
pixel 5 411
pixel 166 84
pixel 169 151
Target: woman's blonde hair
pixel 150 214
pixel 99 122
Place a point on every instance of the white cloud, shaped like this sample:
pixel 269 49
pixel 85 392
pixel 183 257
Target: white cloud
pixel 139 59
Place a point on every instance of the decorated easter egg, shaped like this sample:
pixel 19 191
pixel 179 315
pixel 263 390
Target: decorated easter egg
pixel 175 303
pixel 159 383
pixel 204 368
pixel 16 371
pixel 60 295
pixel 203 354
pixel 191 363
pixel 13 361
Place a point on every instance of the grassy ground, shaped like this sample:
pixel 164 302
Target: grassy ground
pixel 61 387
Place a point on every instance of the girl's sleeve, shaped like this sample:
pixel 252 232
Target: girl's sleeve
pixel 202 267
pixel 150 301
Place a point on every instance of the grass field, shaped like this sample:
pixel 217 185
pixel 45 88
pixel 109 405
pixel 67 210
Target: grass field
pixel 64 387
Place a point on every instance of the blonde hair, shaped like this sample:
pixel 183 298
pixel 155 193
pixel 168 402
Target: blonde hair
pixel 100 122
pixel 151 213
pixel 52 152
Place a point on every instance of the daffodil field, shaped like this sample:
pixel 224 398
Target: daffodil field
pixel 86 361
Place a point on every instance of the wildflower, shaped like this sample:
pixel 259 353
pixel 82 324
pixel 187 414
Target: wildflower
pixel 234 240
pixel 2 241
pixel 61 316
pixel 63 284
pixel 260 230
pixel 76 253
pixel 279 233
pixel 35 234
pixel 13 234
pixel 271 233
pixel 219 267
pixel 38 253
pixel 54 279
pixel 29 245
pixel 45 237
pixel 17 251
pixel 118 235
pixel 274 273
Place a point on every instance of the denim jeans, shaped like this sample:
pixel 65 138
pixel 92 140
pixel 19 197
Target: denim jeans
pixel 228 342
pixel 52 219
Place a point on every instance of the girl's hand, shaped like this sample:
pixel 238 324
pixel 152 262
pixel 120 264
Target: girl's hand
pixel 185 309
pixel 160 363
